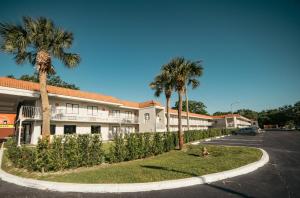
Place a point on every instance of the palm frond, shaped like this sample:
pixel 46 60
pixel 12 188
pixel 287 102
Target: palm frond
pixel 70 60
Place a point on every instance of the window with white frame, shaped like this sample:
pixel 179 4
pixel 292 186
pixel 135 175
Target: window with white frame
pixel 116 113
pixel 72 108
pixel 146 117
pixel 92 110
pixel 128 115
pixel 115 129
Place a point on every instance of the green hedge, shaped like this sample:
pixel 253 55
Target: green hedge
pixel 140 145
pixel 64 152
pixel 72 151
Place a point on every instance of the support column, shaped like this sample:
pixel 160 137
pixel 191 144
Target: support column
pixel 235 122
pixel 19 135
pixel 226 124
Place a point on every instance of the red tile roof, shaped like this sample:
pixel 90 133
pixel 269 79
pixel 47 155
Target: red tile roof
pixel 32 86
pixel 229 116
pixel 175 112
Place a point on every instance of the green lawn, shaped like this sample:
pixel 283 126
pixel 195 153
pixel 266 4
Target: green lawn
pixel 172 165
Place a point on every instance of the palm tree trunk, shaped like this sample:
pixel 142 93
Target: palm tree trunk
pixel 43 64
pixel 187 108
pixel 45 104
pixel 168 113
pixel 180 132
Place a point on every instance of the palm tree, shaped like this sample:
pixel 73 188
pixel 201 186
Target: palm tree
pixel 195 70
pixel 163 83
pixel 37 41
pixel 177 80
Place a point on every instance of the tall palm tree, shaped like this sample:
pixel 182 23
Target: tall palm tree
pixel 163 83
pixel 178 76
pixel 37 41
pixel 195 70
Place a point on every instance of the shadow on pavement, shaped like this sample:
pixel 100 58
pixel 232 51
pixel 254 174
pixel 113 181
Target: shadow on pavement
pixel 195 175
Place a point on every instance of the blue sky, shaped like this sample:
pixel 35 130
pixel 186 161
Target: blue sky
pixel 250 49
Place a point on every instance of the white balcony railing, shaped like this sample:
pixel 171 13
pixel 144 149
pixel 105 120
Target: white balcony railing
pixel 35 113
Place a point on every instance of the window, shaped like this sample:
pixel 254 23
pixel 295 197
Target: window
pixel 92 110
pixel 72 108
pixel 146 117
pixel 69 129
pixel 128 114
pixel 115 129
pixel 116 113
pixel 95 129
pixel 52 129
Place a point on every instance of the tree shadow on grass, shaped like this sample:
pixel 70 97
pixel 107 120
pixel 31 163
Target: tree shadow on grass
pixel 193 154
pixel 169 169
pixel 195 175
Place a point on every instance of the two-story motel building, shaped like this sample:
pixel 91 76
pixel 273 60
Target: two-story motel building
pixel 80 112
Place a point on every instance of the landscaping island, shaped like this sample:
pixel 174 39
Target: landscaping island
pixel 172 165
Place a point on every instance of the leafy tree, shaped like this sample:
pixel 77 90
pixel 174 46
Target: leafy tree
pixel 281 116
pixel 52 79
pixel 38 41
pixel 194 107
pixel 11 76
pixel 248 113
pixel 221 113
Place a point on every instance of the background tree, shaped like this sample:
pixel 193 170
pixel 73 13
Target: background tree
pixel 222 113
pixel 163 83
pixel 38 41
pixel 194 71
pixel 248 113
pixel 194 107
pixel 285 116
pixel 52 79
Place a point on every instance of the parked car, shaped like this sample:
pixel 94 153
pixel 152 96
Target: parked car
pixel 248 131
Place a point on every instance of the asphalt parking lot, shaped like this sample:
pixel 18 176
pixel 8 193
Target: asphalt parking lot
pixel 279 178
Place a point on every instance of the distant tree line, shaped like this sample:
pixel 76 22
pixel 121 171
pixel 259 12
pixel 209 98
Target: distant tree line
pixel 194 107
pixel 287 115
pixel 52 79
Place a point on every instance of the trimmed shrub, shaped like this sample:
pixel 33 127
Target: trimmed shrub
pixel 29 156
pixel 132 149
pixel 14 152
pixel 43 162
pixel 96 153
pixel 141 145
pixel 158 144
pixel 71 150
pixel 83 150
pixel 57 161
pixel 147 145
pixel 168 142
pixel 117 152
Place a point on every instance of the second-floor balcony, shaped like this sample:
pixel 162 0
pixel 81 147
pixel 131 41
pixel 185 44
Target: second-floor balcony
pixel 35 113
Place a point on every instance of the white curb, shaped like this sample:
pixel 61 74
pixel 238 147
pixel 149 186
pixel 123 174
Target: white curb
pixel 132 187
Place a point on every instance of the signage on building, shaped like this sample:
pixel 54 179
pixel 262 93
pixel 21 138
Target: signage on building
pixel 7 120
